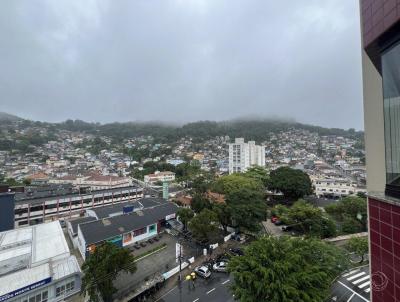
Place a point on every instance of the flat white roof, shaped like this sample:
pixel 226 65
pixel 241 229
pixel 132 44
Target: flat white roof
pixel 20 279
pixel 49 242
pixel 15 236
pixel 47 249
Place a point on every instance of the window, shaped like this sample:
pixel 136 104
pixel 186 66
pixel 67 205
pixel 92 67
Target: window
pixel 139 232
pixel 38 297
pixel 391 105
pixel 65 288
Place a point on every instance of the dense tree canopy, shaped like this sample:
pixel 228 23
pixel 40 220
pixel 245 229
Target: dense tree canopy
pixel 258 173
pixel 233 183
pixel 351 212
pixel 244 197
pixel 307 219
pixel 184 215
pixel 293 183
pixel 204 225
pixel 283 269
pixel 358 246
pixel 101 268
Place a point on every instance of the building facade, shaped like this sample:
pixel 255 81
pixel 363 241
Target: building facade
pixel 244 155
pixel 6 211
pixel 124 230
pixel 335 188
pixel 165 176
pixel 36 265
pixel 34 208
pixel 380 25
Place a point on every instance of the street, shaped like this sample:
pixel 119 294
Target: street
pixel 214 289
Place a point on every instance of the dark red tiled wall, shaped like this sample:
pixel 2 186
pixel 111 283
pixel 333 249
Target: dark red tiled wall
pixel 384 226
pixel 377 16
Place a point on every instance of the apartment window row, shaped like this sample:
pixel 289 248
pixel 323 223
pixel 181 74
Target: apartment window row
pixel 65 288
pixel 38 297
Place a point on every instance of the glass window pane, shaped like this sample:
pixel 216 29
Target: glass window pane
pixel 391 91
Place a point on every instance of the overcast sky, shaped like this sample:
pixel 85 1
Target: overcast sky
pixel 181 60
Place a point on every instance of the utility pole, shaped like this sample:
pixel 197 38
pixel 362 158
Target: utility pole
pixel 180 261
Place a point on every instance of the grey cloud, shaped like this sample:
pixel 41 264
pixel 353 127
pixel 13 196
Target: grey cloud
pixel 182 60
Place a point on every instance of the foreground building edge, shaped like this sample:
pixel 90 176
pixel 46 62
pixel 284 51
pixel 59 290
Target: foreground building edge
pixel 380 23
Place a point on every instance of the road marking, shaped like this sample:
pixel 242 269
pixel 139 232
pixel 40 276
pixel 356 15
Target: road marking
pixel 226 281
pixel 167 293
pixel 352 272
pixel 196 300
pixel 352 291
pixel 210 291
pixel 355 276
pixel 351 297
pixel 361 279
pixel 364 284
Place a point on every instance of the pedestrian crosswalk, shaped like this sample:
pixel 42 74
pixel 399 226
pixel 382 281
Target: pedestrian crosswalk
pixel 359 278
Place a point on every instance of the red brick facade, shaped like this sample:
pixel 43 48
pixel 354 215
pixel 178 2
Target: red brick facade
pixel 384 224
pixel 377 17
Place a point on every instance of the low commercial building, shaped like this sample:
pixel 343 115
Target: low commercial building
pixel 165 176
pixel 125 229
pixel 110 211
pixel 336 188
pixel 36 265
pixel 93 181
pixel 34 207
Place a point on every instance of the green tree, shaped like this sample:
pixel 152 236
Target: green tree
pixel 283 269
pixel 310 220
pixel 101 269
pixel 247 208
pixel 233 183
pixel 293 183
pixel 224 214
pixel 185 215
pixel 244 197
pixel 199 203
pixel 204 225
pixel 351 213
pixel 258 173
pixel 358 246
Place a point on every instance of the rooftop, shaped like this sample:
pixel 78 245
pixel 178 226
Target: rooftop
pixel 117 208
pixel 97 231
pixel 33 254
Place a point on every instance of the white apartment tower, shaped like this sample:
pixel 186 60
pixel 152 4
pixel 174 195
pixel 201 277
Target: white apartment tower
pixel 244 155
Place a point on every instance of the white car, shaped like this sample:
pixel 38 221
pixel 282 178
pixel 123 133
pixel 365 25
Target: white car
pixel 202 271
pixel 220 267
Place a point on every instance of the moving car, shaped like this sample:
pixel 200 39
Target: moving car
pixel 202 271
pixel 220 267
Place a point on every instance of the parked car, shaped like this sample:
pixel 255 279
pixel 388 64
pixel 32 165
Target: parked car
pixel 236 251
pixel 220 267
pixel 202 271
pixel 274 218
pixel 278 222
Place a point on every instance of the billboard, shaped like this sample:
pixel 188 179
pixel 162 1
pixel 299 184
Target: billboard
pixel 25 289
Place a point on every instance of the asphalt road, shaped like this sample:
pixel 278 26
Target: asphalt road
pixel 353 286
pixel 214 289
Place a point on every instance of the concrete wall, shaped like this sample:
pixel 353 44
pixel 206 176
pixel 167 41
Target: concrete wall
pixel 374 126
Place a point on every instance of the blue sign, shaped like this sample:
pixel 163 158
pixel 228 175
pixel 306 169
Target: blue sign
pixel 25 289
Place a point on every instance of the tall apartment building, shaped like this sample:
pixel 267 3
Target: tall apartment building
pixel 244 155
pixel 380 23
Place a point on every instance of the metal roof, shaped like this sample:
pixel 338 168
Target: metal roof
pixel 143 203
pixel 97 231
